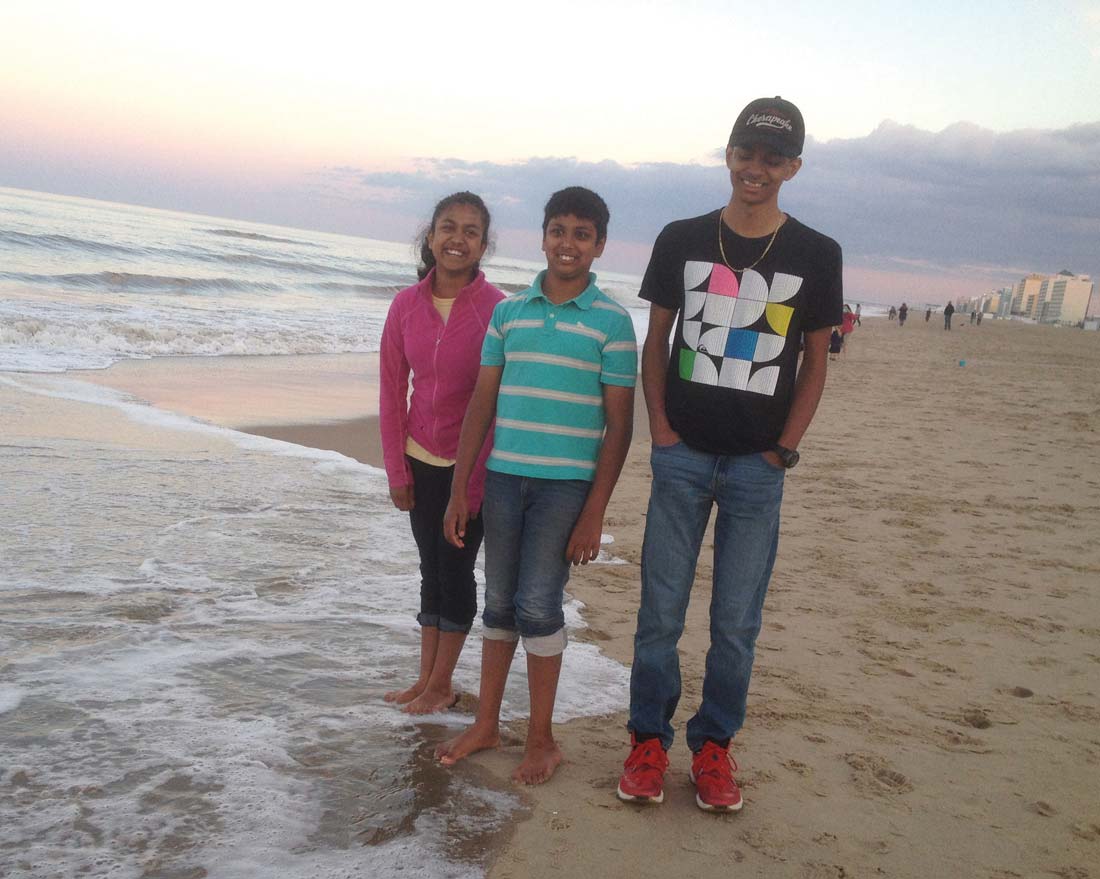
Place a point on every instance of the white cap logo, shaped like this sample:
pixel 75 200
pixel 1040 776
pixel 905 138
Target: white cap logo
pixel 769 120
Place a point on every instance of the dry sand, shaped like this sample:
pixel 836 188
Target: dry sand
pixel 925 698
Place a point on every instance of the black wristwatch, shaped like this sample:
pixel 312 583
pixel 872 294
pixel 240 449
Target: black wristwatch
pixel 789 457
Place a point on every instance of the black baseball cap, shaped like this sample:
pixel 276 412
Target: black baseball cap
pixel 773 122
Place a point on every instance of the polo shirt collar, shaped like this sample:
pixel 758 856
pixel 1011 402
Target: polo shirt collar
pixel 582 300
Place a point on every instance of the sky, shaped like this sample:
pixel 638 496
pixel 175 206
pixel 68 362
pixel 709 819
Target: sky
pixel 950 150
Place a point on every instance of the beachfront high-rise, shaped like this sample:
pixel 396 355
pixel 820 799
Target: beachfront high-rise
pixel 1063 299
pixel 1025 292
pixel 1000 302
pixel 997 303
pixel 1053 299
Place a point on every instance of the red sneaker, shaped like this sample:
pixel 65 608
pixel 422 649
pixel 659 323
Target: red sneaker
pixel 643 775
pixel 712 771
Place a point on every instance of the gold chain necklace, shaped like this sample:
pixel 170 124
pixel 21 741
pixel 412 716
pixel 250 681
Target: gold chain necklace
pixel 722 250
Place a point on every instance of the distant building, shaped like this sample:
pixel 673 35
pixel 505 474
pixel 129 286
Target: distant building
pixel 1063 299
pixel 1025 293
pixel 1000 302
pixel 1049 299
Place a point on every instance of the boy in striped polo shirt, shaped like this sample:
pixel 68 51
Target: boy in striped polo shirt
pixel 558 369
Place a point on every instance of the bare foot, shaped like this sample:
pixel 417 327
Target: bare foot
pixel 473 739
pixel 429 702
pixel 539 763
pixel 402 697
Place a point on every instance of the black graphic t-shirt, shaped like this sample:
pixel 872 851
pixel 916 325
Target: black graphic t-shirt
pixel 735 349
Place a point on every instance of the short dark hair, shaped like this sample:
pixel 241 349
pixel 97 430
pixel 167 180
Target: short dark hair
pixel 583 204
pixel 427 258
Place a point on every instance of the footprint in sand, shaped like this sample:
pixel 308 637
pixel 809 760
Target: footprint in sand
pixel 953 740
pixel 1091 832
pixel 874 774
pixel 922 587
pixel 796 766
pixel 823 871
pixel 976 718
pixel 1072 873
pixel 1079 711
pixel 559 823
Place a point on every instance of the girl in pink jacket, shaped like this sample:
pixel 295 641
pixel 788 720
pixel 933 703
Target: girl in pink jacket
pixel 434 330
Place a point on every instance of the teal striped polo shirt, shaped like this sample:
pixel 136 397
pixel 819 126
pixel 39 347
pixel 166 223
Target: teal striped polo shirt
pixel 556 359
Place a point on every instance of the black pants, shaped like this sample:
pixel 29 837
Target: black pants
pixel 448 592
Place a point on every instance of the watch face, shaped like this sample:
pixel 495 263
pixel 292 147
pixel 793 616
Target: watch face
pixel 789 457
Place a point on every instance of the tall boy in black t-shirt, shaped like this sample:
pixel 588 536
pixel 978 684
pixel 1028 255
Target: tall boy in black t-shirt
pixel 743 287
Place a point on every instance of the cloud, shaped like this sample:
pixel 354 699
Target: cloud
pixel 964 200
pixel 641 202
pixel 969 206
pixel 962 194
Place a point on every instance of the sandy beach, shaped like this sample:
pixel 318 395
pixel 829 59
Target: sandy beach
pixel 925 698
pixel 925 694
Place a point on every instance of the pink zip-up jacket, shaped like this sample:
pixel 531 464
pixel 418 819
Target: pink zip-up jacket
pixel 444 360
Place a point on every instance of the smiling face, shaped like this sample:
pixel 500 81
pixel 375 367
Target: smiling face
pixel 757 172
pixel 457 240
pixel 570 245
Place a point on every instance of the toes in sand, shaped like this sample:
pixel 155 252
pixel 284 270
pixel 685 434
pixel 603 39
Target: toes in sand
pixel 429 703
pixel 475 738
pixel 403 697
pixel 539 763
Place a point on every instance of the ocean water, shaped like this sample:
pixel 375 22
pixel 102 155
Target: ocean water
pixel 196 624
pixel 84 284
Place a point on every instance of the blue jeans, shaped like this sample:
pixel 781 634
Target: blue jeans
pixel 748 492
pixel 528 523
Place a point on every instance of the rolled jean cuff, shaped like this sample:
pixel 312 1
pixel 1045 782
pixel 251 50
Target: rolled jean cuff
pixel 546 645
pixel 494 634
pixel 446 625
pixel 436 621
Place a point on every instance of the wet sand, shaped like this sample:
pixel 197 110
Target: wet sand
pixel 925 699
pixel 321 389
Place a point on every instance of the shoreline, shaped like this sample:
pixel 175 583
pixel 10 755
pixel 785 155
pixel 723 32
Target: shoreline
pixel 359 438
pixel 924 695
pixel 356 438
pixel 242 391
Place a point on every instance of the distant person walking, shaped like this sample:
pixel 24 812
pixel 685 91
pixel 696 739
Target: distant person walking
pixel 948 310
pixel 434 330
pixel 973 315
pixel 892 313
pixel 979 318
pixel 903 313
pixel 927 315
pixel 859 315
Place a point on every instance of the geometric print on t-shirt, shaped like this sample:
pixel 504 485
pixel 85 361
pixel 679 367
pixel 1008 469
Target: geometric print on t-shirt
pixel 733 330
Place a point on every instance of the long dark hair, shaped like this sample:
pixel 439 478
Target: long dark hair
pixel 427 258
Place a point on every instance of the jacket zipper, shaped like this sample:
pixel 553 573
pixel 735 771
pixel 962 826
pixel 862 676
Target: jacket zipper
pixel 435 370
